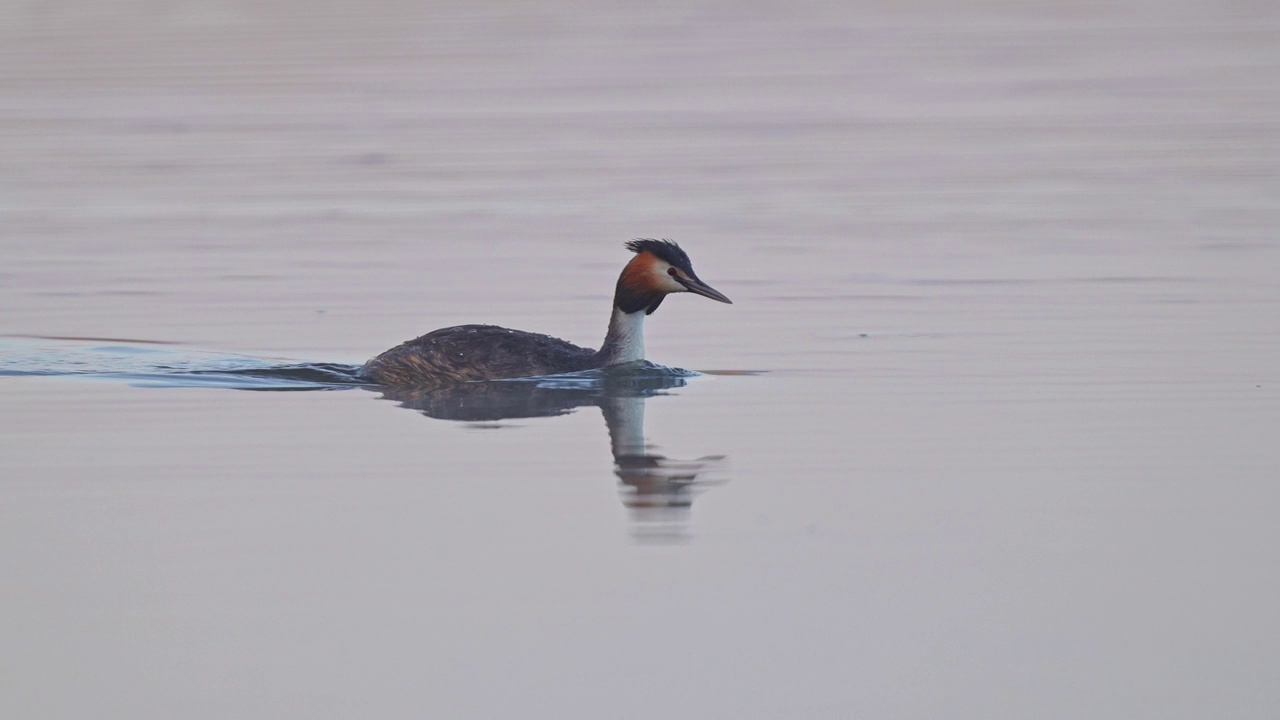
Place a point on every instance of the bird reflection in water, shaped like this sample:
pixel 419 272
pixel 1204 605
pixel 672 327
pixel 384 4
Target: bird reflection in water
pixel 658 491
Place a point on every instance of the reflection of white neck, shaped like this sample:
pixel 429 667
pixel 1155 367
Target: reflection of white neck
pixel 624 416
pixel 624 342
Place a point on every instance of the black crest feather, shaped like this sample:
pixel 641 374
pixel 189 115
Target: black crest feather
pixel 665 250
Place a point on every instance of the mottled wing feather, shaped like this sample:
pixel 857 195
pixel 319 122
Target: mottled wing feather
pixel 475 352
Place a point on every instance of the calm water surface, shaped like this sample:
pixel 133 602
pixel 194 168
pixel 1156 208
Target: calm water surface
pixel 990 430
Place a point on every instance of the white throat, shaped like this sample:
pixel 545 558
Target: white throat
pixel 625 341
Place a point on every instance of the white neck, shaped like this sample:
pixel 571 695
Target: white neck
pixel 624 342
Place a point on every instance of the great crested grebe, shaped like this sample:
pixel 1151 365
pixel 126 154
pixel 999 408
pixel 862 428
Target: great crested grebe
pixel 488 352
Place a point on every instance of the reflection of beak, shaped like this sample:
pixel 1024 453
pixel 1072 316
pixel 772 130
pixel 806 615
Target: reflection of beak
pixel 697 286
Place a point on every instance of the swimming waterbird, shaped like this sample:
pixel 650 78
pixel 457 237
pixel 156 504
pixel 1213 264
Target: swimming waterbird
pixel 487 352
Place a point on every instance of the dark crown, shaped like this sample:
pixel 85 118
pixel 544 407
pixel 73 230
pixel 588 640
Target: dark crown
pixel 664 250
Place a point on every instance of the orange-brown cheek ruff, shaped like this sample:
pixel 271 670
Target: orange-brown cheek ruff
pixel 636 290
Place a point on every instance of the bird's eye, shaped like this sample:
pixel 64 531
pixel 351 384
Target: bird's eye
pixel 671 271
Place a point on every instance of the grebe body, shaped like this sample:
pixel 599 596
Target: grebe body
pixel 487 352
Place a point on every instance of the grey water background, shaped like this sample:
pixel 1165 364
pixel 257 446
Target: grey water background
pixel 991 429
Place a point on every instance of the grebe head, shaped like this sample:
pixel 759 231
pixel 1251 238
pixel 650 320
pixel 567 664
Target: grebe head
pixel 659 268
